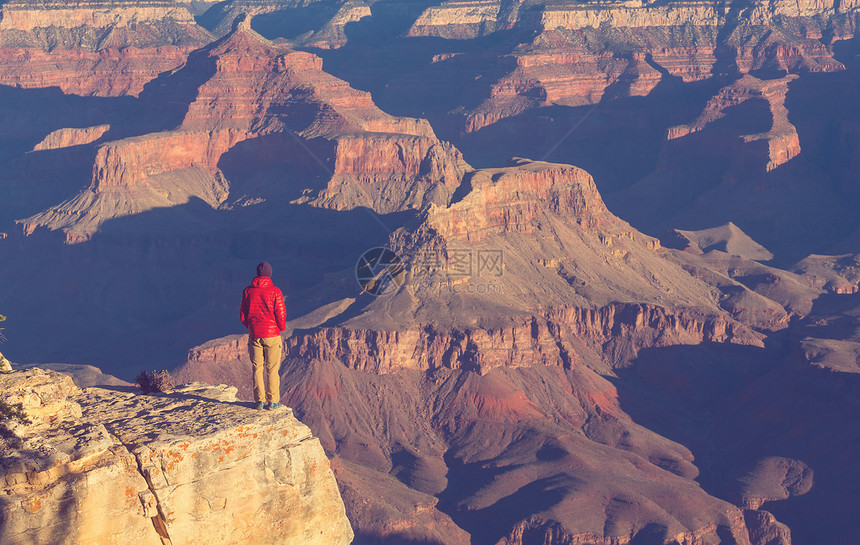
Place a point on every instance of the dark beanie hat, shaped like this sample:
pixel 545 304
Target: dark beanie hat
pixel 264 269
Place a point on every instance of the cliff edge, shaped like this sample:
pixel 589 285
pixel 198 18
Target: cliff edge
pixel 195 466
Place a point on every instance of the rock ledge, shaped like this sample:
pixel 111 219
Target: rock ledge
pixel 195 466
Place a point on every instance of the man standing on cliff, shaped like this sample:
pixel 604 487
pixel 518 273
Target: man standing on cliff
pixel 264 314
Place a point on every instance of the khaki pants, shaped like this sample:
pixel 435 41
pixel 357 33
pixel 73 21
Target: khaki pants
pixel 266 352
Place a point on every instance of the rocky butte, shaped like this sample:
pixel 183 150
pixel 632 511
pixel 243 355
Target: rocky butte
pixel 246 88
pixel 449 410
pixel 99 465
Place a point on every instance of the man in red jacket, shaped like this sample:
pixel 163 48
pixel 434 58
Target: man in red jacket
pixel 263 313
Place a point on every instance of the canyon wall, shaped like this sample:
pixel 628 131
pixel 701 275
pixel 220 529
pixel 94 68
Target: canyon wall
pixel 26 16
pixel 510 199
pixel 94 47
pixel 573 53
pixel 246 88
pixel 564 337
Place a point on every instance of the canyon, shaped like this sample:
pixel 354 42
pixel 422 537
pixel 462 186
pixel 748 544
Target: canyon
pixel 625 310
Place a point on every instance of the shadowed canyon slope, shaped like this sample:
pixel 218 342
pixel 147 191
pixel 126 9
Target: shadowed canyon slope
pixel 625 307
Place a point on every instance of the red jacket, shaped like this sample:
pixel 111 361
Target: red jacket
pixel 262 310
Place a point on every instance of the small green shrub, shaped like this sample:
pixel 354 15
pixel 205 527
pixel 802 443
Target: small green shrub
pixel 12 412
pixel 152 382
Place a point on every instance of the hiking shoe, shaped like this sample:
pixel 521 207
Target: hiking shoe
pixel 260 406
pixel 273 406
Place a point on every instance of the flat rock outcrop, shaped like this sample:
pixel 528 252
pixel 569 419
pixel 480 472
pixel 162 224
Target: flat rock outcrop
pixel 64 138
pixel 111 466
pixel 774 147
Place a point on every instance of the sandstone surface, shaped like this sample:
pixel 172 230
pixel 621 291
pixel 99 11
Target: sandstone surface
pixel 112 466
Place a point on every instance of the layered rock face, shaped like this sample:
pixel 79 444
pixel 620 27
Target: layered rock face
pixel 509 200
pixel 472 18
pixel 525 209
pixel 390 174
pixel 122 71
pixel 134 175
pixel 578 52
pixel 552 305
pixel 556 339
pixel 254 89
pixel 514 442
pixel 511 406
pixel 94 48
pixel 27 16
pixel 108 466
